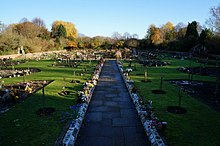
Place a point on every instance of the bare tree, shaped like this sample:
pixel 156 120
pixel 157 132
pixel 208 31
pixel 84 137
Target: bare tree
pixel 126 35
pixel 2 26
pixel 116 36
pixel 180 26
pixel 180 30
pixel 38 22
pixel 23 20
pixel 214 20
pixel 135 36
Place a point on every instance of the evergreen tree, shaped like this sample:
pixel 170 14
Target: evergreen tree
pixel 192 30
pixel 191 37
pixel 61 31
pixel 205 34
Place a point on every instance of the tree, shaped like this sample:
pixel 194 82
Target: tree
pixel 119 44
pixel 9 40
pixel 131 43
pixel 168 31
pixel 107 43
pixel 61 31
pixel 71 45
pixel 44 33
pixel 157 37
pixel 80 44
pixel 39 22
pixel 27 34
pixel 199 28
pixel 143 43
pixel 213 44
pixel 2 26
pixel 214 20
pixel 135 36
pixel 71 31
pixel 27 29
pixel 96 42
pixel 116 36
pixel 84 42
pixel 126 36
pixel 154 35
pixel 60 35
pixel 205 34
pixel 192 30
pixel 191 37
pixel 150 31
pixel 23 20
pixel 180 31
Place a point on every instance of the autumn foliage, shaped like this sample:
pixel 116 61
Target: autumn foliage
pixel 34 36
pixel 71 45
pixel 69 27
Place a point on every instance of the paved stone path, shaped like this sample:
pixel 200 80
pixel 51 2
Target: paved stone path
pixel 111 119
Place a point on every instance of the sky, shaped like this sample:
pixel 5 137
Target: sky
pixel 104 17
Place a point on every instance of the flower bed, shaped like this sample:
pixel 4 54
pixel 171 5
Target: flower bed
pixel 146 115
pixel 12 94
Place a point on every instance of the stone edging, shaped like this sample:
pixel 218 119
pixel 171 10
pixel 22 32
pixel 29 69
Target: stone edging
pixel 151 131
pixel 74 128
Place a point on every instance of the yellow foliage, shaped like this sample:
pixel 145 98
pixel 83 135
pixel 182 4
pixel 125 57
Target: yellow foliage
pixel 71 44
pixel 120 44
pixel 168 26
pixel 157 36
pixel 69 26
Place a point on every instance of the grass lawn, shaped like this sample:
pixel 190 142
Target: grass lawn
pixel 199 126
pixel 21 125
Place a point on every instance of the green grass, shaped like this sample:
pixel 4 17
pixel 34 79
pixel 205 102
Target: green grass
pixel 21 126
pixel 199 126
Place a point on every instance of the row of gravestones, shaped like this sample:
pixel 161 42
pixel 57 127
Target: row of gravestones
pixel 73 130
pixel 149 127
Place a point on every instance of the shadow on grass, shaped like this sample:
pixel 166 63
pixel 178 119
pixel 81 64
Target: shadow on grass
pixel 158 91
pixel 38 129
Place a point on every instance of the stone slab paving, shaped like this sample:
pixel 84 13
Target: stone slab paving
pixel 111 119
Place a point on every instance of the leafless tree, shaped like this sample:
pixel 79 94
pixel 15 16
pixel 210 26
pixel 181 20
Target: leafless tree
pixel 38 22
pixel 116 36
pixel 214 20
pixel 23 20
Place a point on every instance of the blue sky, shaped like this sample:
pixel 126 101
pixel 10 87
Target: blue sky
pixel 104 17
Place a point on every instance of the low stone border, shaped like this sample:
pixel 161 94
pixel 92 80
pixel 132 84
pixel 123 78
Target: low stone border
pixel 150 129
pixel 74 128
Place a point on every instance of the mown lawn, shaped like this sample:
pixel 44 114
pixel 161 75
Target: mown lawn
pixel 199 126
pixel 21 125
